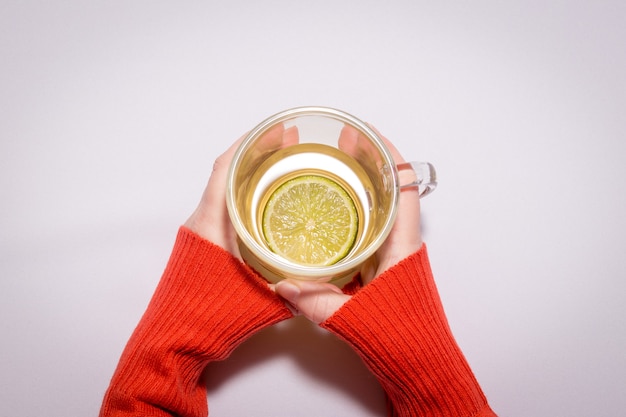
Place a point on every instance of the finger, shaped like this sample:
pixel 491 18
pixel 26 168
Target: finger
pixel 407 227
pixel 291 137
pixel 290 306
pixel 405 236
pixel 276 137
pixel 409 198
pixel 349 140
pixel 353 142
pixel 269 140
pixel 316 301
pixel 397 157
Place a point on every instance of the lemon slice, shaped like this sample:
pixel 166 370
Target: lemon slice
pixel 310 220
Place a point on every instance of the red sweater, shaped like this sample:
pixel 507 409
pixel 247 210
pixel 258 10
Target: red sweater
pixel 208 302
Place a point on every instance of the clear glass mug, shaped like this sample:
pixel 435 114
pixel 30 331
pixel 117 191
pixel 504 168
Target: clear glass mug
pixel 332 143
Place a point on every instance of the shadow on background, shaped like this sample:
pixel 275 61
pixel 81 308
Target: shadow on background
pixel 319 354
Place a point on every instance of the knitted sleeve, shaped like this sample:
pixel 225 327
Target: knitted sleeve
pixel 398 326
pixel 205 305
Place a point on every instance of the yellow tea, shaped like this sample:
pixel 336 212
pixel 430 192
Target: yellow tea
pixel 322 171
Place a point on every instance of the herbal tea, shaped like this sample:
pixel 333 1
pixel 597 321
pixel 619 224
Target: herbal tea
pixel 310 204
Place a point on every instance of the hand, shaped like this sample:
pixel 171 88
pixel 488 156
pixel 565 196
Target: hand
pixel 210 219
pixel 318 301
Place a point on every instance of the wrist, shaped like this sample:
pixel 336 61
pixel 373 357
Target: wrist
pixel 204 287
pixel 398 326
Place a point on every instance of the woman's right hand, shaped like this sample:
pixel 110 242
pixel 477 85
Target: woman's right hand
pixel 318 301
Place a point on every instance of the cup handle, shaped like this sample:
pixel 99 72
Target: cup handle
pixel 425 178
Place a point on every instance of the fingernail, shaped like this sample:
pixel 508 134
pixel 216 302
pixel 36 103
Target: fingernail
pixel 288 290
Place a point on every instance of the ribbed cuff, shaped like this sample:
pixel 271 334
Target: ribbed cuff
pixel 212 298
pixel 398 326
pixel 205 305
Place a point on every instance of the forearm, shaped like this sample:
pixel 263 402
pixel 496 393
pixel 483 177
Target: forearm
pixel 398 326
pixel 205 305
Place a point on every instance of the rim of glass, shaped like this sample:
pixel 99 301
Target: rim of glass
pixel 267 256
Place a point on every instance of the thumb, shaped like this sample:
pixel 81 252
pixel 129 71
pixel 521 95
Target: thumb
pixel 316 301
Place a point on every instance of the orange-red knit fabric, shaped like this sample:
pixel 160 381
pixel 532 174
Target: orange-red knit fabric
pixel 208 302
pixel 398 326
pixel 205 305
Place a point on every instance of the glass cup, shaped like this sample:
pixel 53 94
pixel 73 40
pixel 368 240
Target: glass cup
pixel 330 143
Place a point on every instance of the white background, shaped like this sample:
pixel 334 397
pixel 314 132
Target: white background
pixel 111 114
